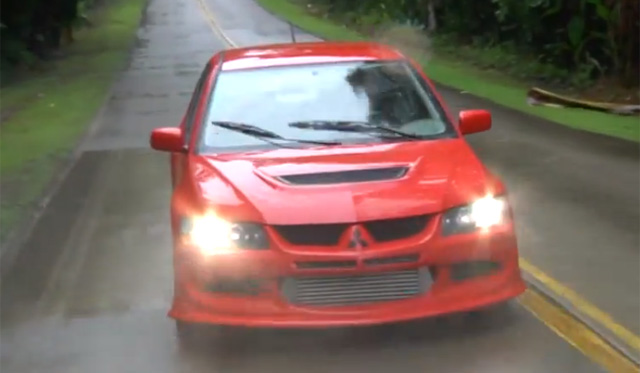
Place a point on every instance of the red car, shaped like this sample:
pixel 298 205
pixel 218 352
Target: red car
pixel 326 184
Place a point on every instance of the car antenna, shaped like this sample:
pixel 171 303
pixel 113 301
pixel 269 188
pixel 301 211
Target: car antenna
pixel 293 32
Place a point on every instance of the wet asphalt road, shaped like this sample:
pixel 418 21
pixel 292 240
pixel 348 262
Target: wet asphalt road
pixel 90 290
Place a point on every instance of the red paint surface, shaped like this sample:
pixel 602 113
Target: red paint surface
pixel 243 187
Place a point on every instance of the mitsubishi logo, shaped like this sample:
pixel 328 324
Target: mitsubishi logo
pixel 357 240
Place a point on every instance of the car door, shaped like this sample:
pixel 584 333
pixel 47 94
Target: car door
pixel 178 160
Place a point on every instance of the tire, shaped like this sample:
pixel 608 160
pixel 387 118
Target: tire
pixel 194 337
pixel 494 314
pixel 187 334
pixel 498 313
pixel 497 309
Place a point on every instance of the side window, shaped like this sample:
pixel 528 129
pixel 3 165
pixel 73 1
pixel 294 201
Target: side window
pixel 193 105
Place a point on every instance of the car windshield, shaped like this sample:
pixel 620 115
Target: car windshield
pixel 337 102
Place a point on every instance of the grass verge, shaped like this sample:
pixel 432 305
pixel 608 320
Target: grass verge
pixel 45 114
pixel 491 85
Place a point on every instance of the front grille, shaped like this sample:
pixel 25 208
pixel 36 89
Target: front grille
pixel 392 260
pixel 238 287
pixel 312 235
pixel 353 290
pixel 329 234
pixel 350 176
pixel 327 264
pixel 466 270
pixel 395 229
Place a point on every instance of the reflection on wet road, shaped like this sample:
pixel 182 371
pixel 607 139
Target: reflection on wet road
pixel 102 307
pixel 90 290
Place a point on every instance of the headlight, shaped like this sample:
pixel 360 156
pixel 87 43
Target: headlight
pixel 484 213
pixel 212 234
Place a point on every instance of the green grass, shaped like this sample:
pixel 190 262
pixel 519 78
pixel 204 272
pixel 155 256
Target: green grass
pixel 46 113
pixel 463 76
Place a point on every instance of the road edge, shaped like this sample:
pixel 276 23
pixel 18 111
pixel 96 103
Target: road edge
pixel 592 324
pixel 18 236
pixel 626 350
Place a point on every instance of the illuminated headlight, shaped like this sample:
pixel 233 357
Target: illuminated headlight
pixel 484 213
pixel 213 235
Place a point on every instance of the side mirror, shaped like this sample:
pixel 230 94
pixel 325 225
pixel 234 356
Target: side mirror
pixel 474 121
pixel 167 139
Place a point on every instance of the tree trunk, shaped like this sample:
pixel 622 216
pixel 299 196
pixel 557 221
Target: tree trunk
pixel 432 23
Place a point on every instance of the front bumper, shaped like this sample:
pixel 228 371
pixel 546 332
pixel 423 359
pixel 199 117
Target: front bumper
pixel 245 288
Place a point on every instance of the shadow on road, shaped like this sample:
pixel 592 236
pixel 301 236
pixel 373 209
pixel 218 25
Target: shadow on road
pixel 229 344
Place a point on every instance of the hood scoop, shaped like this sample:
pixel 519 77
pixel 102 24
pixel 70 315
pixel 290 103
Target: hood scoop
pixel 341 177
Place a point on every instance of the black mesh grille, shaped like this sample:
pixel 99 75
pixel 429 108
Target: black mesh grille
pixel 466 270
pixel 395 229
pixel 327 264
pixel 316 234
pixel 392 260
pixel 329 234
pixel 352 176
pixel 246 287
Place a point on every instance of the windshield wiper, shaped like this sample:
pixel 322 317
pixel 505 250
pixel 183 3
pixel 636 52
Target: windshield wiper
pixel 351 126
pixel 264 134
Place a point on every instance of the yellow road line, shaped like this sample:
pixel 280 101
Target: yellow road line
pixel 582 305
pixel 213 24
pixel 561 322
pixel 576 333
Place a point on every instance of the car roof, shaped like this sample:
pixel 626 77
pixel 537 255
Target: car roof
pixel 305 53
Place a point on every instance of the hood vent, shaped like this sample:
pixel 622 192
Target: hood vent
pixel 341 177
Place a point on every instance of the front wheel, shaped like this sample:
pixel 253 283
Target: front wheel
pixel 198 336
pixel 497 309
pixel 496 313
pixel 187 334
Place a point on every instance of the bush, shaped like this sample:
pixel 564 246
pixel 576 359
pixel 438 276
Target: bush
pixel 587 37
pixel 33 28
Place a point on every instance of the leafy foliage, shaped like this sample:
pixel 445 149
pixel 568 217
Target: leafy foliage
pixel 32 29
pixel 588 37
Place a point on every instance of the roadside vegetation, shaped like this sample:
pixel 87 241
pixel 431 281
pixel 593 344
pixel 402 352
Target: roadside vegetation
pixel 59 58
pixel 498 49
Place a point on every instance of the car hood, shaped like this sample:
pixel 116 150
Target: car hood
pixel 420 177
